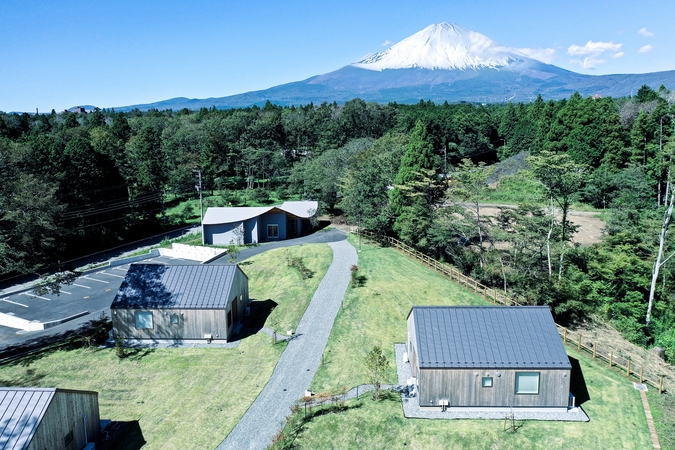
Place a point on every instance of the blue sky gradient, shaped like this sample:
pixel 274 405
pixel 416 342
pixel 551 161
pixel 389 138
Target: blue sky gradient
pixel 59 54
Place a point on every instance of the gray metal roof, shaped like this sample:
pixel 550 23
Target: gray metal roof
pixel 154 286
pixel 488 337
pixel 218 215
pixel 21 410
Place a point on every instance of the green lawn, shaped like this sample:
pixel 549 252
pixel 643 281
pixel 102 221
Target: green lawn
pixel 186 398
pixel 614 407
pixel 376 312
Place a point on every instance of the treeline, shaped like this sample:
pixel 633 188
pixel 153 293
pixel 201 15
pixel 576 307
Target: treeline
pixel 86 181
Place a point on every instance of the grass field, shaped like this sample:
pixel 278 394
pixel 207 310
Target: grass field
pixel 613 405
pixel 376 312
pixel 184 398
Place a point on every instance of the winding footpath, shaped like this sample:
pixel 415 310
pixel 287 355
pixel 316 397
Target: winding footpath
pixel 299 362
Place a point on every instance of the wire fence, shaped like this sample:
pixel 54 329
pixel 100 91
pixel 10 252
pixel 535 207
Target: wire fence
pixel 605 355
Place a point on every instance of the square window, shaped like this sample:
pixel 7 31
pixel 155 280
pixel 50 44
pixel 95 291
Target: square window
pixel 144 319
pixel 527 382
pixel 487 382
pixel 272 231
pixel 174 319
pixel 68 438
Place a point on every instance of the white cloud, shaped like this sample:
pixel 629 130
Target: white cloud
pixel 545 55
pixel 588 63
pixel 593 52
pixel 645 32
pixel 386 43
pixel 593 48
pixel 646 49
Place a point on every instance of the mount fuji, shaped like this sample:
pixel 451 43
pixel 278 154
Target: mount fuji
pixel 442 62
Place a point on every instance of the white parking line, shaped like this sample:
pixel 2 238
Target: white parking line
pixel 36 296
pixel 111 274
pixel 94 279
pixel 82 286
pixel 121 267
pixel 65 292
pixel 13 303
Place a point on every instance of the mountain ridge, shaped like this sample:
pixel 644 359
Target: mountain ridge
pixel 442 62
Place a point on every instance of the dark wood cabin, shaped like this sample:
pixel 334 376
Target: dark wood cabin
pixel 48 418
pixel 488 357
pixel 180 303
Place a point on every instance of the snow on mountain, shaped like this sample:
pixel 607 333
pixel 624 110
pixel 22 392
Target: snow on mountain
pixel 443 46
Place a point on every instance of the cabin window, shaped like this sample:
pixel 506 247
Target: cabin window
pixel 174 319
pixel 527 382
pixel 487 382
pixel 229 318
pixel 144 319
pixel 272 231
pixel 68 439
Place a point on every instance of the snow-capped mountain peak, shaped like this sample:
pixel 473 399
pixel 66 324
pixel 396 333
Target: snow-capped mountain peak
pixel 443 46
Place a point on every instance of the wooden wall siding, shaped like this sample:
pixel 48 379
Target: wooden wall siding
pixel 412 345
pixel 64 414
pixel 192 324
pixel 463 388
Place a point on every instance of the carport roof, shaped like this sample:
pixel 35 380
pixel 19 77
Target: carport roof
pixel 155 286
pixel 518 337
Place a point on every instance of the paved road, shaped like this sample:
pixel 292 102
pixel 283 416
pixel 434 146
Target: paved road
pixel 298 364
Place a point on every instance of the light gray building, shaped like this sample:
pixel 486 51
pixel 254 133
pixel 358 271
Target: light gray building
pixel 493 357
pixel 180 303
pixel 48 418
pixel 250 225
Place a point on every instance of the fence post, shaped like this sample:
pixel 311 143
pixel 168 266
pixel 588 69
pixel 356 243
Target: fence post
pixel 610 359
pixel 661 384
pixel 579 343
pixel 640 374
pixel 564 335
pixel 628 369
pixel 595 349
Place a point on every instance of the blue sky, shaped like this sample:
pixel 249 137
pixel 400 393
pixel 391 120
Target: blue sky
pixel 59 54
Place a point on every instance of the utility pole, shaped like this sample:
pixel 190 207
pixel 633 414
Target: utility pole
pixel 201 204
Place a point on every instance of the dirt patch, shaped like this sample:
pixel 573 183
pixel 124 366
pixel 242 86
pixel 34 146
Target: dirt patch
pixel 590 227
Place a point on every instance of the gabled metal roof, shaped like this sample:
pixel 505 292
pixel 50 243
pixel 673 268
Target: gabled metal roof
pixel 154 286
pixel 21 410
pixel 488 337
pixel 220 215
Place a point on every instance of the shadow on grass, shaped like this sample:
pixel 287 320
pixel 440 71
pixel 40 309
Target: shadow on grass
pixel 260 311
pixel 122 436
pixel 578 383
pixel 137 353
pixel 89 335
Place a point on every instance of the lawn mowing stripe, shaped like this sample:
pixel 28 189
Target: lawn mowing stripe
pixel 82 286
pixel 13 303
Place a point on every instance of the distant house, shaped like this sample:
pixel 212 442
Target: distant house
pixel 48 418
pixel 488 357
pixel 180 303
pixel 250 225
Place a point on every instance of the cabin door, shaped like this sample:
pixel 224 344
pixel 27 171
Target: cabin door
pixel 235 309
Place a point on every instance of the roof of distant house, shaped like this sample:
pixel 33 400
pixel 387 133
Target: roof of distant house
pixel 217 215
pixel 21 411
pixel 522 337
pixel 156 286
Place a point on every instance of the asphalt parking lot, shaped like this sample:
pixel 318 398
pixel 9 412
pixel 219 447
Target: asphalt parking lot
pixel 92 292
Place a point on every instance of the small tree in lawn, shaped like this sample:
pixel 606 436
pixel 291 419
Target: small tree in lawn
pixel 376 364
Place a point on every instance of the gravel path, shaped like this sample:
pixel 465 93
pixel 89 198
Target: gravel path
pixel 298 364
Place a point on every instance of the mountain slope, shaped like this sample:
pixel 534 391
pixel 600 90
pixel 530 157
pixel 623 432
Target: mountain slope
pixel 442 62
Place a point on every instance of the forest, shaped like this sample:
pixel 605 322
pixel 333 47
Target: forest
pixel 81 182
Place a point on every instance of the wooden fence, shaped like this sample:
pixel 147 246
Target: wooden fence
pixel 496 297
